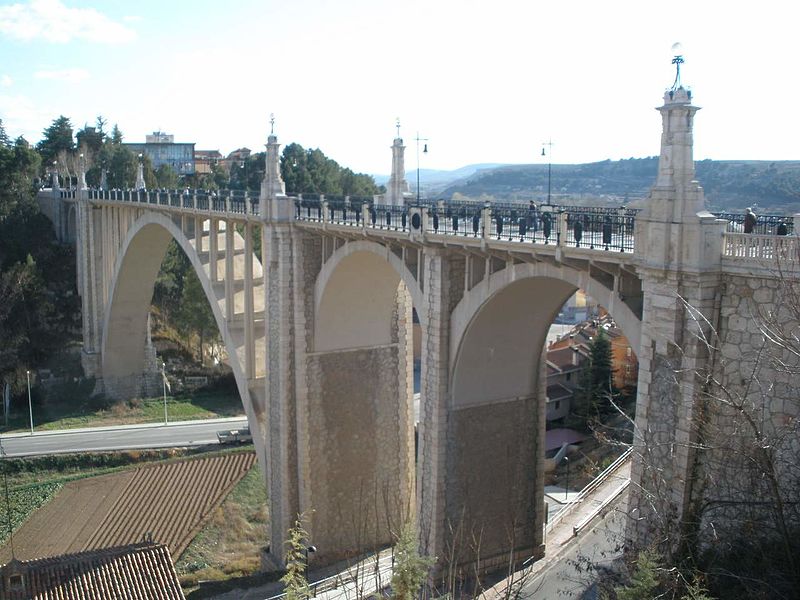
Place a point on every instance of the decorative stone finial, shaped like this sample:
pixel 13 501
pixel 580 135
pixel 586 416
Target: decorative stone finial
pixel 82 166
pixel 140 184
pixel 55 175
pixel 272 185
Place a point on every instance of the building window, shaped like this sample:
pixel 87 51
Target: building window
pixel 558 404
pixel 568 376
pixel 15 582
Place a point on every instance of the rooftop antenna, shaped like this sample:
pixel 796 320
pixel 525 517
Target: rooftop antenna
pixel 272 123
pixel 677 60
pixel 397 124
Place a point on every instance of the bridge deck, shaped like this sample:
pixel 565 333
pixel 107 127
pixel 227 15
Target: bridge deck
pixel 584 233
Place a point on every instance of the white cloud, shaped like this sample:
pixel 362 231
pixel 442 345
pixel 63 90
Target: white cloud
pixel 51 20
pixel 6 81
pixel 22 117
pixel 64 75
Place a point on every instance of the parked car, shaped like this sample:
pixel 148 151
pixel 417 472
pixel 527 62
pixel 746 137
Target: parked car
pixel 235 436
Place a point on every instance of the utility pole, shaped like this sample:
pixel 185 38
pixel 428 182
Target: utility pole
pixel 549 155
pixel 424 151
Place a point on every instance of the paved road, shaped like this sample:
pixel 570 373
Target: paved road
pixel 566 576
pixel 126 437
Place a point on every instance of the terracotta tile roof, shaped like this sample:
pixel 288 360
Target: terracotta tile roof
pixel 562 358
pixel 136 572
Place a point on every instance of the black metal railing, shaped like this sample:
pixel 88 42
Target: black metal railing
pixel 456 218
pixel 391 218
pixel 602 229
pixel 765 224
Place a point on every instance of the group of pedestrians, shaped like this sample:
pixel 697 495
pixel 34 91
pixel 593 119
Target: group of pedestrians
pixel 751 220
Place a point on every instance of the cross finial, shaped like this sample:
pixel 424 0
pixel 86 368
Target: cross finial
pixel 677 60
pixel 272 123
pixel 397 124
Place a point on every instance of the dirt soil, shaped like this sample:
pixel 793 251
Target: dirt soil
pixel 169 501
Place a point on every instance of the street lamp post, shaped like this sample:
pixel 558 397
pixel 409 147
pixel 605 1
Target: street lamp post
pixel 30 404
pixel 424 151
pixel 164 383
pixel 549 154
pixel 566 483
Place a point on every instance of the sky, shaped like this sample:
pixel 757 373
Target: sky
pixel 481 80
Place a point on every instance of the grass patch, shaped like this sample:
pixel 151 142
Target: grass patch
pixel 230 543
pixel 24 501
pixel 97 413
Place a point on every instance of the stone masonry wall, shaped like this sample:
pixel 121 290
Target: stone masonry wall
pixel 747 478
pixel 355 472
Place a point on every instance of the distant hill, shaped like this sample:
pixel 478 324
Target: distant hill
pixel 434 181
pixel 770 185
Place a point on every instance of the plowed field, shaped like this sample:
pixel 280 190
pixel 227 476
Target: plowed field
pixel 168 501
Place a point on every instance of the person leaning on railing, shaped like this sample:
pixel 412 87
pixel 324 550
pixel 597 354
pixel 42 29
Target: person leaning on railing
pixel 750 220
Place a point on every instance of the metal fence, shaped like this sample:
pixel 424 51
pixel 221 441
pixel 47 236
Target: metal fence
pixel 765 224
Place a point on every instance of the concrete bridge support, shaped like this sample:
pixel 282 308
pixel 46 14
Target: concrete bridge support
pixel 339 395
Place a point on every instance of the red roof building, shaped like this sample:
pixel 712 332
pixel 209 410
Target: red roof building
pixel 135 572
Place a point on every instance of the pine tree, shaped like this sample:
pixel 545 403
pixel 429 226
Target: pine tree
pixel 644 579
pixel 600 359
pixel 410 569
pixel 4 141
pixel 56 138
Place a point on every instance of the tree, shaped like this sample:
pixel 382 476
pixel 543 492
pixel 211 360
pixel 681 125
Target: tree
pixel 194 315
pixel 91 139
pixel 595 381
pixel 121 167
pixel 116 135
pixel 166 177
pixel 410 569
pixel 644 579
pixel 310 171
pixel 295 578
pixel 56 139
pixel 19 167
pixel 4 141
pixel 147 170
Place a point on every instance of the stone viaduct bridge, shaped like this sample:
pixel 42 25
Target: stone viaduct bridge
pixel 318 332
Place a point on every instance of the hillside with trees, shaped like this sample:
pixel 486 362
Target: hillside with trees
pixel 730 185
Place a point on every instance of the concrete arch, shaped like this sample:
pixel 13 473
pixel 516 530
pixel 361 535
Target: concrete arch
pixel 355 295
pixel 350 248
pixel 125 320
pixel 477 297
pixel 496 403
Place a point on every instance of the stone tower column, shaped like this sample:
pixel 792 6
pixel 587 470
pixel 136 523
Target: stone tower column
pixel 397 187
pixel 678 249
pixel 272 186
